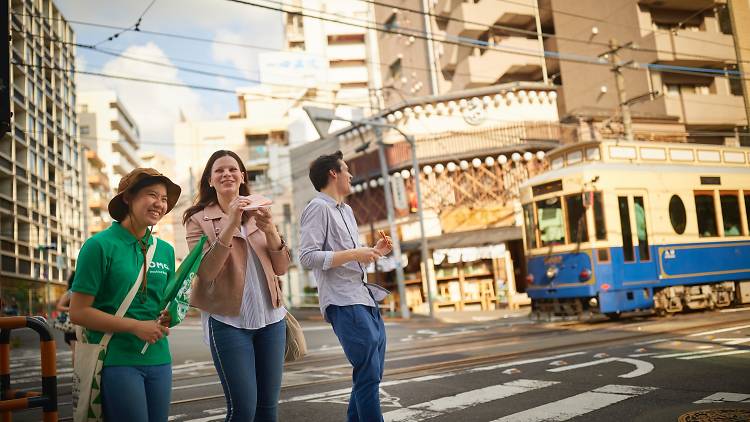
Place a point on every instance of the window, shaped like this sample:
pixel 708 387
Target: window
pixel 730 213
pixel 706 213
pixel 577 230
pixel 747 208
pixel 640 228
pixel 599 226
pixel 391 23
pixel 550 219
pixel 627 234
pixel 677 214
pixel 84 130
pixel 530 224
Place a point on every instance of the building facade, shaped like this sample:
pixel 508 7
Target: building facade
pixel 474 148
pixel 107 128
pixel 41 162
pixel 98 194
pixel 341 48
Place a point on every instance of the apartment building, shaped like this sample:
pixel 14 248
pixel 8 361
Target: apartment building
pixel 41 182
pixel 670 35
pixel 110 130
pixel 485 42
pixel 98 193
pixel 342 46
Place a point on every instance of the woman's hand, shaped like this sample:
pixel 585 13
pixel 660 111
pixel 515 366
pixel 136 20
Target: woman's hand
pixel 149 331
pixel 264 221
pixel 384 246
pixel 164 318
pixel 235 210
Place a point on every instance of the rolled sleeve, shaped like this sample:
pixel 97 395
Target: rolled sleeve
pixel 312 238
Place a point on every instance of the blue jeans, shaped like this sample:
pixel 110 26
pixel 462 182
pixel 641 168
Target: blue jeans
pixel 136 393
pixel 249 363
pixel 361 332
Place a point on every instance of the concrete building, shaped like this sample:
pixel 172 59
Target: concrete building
pixel 342 48
pixel 509 45
pixel 412 66
pixel 706 107
pixel 98 194
pixel 111 131
pixel 41 161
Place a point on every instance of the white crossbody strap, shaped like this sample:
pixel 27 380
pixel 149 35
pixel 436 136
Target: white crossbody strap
pixel 133 290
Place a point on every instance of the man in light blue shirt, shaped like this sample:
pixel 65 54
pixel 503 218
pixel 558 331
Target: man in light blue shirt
pixel 329 246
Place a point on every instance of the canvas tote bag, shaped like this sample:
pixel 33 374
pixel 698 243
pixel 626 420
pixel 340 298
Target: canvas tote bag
pixel 296 346
pixel 89 360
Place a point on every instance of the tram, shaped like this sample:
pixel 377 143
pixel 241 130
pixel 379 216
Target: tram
pixel 616 226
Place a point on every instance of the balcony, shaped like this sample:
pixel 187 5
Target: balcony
pixel 97 179
pixel 691 47
pixel 488 68
pixel 121 165
pixel 130 134
pixel 126 149
pixel 487 13
pixel 697 109
pixel 695 5
pixel 346 52
pixel 97 202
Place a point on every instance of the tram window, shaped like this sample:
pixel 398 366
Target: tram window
pixel 640 227
pixel 730 213
pixel 577 230
pixel 550 220
pixel 677 214
pixel 627 234
pixel 528 215
pixel 599 226
pixel 706 213
pixel 747 209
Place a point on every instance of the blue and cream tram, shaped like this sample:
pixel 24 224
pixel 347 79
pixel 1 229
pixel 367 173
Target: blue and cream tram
pixel 619 226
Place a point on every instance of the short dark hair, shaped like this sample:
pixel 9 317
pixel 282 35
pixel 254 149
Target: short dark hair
pixel 320 167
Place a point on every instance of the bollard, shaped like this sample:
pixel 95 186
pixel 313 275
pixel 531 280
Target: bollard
pixel 11 400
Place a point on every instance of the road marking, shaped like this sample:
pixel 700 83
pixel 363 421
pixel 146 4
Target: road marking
pixel 641 367
pixel 577 405
pixel 445 405
pixel 735 310
pixel 725 398
pixel 203 384
pixel 714 355
pixel 723 330
pixel 314 396
pixel 732 341
pixel 678 355
pixel 661 340
pixel 641 355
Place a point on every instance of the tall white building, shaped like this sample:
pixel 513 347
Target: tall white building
pixel 340 46
pixel 41 181
pixel 107 127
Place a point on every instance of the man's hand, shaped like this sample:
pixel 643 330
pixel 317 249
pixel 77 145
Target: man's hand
pixel 366 255
pixel 384 246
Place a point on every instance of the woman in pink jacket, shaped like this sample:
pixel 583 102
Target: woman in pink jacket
pixel 238 290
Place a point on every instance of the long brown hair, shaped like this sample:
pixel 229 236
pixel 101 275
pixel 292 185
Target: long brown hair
pixel 207 194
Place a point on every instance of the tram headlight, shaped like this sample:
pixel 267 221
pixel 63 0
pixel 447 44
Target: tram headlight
pixel 529 278
pixel 594 302
pixel 551 272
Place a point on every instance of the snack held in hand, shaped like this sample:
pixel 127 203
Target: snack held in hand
pixel 257 202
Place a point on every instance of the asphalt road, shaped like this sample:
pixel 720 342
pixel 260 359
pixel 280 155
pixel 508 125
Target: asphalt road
pixel 638 369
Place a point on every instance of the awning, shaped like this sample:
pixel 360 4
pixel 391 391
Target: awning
pixel 467 239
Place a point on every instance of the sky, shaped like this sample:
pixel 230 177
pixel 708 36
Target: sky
pixel 157 108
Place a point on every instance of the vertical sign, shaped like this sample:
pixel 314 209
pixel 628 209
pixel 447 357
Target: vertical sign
pixel 400 201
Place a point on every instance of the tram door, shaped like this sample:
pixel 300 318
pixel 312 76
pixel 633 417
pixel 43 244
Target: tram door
pixel 639 264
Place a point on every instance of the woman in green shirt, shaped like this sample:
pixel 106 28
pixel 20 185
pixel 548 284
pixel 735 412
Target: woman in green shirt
pixel 135 386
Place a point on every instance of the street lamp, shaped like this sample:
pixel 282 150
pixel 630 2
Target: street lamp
pixel 318 115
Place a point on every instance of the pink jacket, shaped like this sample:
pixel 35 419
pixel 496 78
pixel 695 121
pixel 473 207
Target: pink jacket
pixel 221 276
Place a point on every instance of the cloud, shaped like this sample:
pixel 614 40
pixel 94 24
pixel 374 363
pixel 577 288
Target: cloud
pixel 155 108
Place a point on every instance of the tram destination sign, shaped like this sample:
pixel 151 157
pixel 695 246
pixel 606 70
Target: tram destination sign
pixel 549 187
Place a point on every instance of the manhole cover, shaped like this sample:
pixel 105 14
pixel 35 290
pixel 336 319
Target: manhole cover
pixel 716 415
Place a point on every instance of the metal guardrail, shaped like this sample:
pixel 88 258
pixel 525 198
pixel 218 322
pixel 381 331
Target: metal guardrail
pixel 11 400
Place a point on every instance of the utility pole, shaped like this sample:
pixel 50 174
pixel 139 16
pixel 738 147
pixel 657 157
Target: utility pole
pixel 739 12
pixel 623 104
pixel 391 221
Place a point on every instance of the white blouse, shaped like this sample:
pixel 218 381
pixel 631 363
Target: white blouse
pixel 256 310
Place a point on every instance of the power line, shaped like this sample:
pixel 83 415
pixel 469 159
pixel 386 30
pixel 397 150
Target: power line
pixel 526 31
pixel 463 41
pixel 134 27
pixel 183 85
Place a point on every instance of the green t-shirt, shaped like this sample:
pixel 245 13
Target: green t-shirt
pixel 107 267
